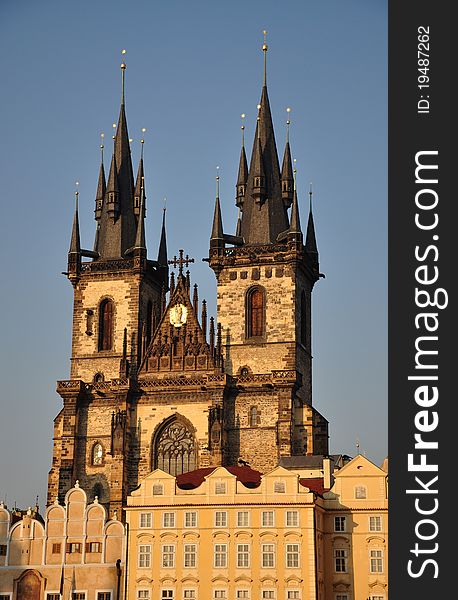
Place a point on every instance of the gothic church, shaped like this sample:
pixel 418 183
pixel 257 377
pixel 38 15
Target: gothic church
pixel 154 382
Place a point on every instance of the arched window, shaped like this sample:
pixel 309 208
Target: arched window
pixel 106 313
pixel 255 313
pixel 175 448
pixel 97 454
pixel 254 416
pixel 303 319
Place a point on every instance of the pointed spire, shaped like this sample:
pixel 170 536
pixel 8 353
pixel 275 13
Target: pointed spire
pixel 162 253
pixel 242 177
pixel 101 184
pixel 295 226
pixel 140 239
pixel 140 179
pixel 287 170
pixel 265 47
pixel 238 229
pixel 75 245
pixel 112 189
pixel 217 237
pixel 310 240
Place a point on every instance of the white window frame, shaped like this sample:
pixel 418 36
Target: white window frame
pixel 265 522
pixel 264 552
pixel 246 553
pixel 296 592
pixel 48 593
pixel 193 590
pixel 147 590
pixel 168 553
pixel 290 553
pixel 80 592
pixel 378 560
pixel 342 520
pixel 292 512
pixel 220 590
pixel 380 521
pixel 97 592
pixel 167 515
pixel 224 520
pixel 140 554
pixel 245 596
pixel 343 557
pixel 220 487
pixel 377 597
pixel 167 597
pixel 271 592
pixel 190 512
pixel 243 512
pixel 220 553
pixel 185 553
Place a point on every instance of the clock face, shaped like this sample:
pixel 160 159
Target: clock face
pixel 178 315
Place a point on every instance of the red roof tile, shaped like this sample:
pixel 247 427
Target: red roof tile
pixel 188 481
pixel 315 484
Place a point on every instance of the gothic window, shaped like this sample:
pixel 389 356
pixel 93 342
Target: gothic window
pixel 255 313
pixel 97 455
pixel 175 448
pixel 254 416
pixel 303 320
pixel 106 314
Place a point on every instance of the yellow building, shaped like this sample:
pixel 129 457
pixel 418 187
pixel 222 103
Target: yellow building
pixel 73 553
pixel 231 533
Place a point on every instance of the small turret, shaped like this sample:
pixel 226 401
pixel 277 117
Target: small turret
pixel 242 177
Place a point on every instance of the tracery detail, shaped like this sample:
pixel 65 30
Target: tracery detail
pixel 175 449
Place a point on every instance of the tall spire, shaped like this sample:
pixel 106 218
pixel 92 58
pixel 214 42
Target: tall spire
pixel 287 169
pixel 162 253
pixel 140 240
pixel 243 169
pixel 101 184
pixel 310 240
pixel 118 224
pixel 75 245
pixel 295 226
pixel 217 237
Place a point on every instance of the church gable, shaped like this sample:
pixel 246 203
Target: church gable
pixel 180 341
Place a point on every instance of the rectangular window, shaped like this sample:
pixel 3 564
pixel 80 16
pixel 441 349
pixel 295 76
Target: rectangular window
pixel 293 595
pixel 375 523
pixel 292 555
pixel 268 595
pixel 168 519
pixel 189 594
pixel 220 487
pixel 168 556
pixel 243 518
pixel 79 596
pixel 3 549
pixel 243 556
pixel 218 594
pixel 190 519
pixel 143 595
pixel 377 598
pixel 376 557
pixel 268 555
pixel 146 520
pixel 339 524
pixel 167 595
pixel 267 519
pixel 220 518
pixel 279 487
pixel 242 594
pixel 360 492
pixel 220 555
pixel 340 560
pixel 56 548
pixel 292 518
pixel 144 555
pixel 103 595
pixel 74 548
pixel 94 547
pixel 190 556
pixel 48 597
pixel 342 597
pixel 158 489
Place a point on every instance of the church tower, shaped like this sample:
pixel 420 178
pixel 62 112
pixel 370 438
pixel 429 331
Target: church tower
pixel 118 295
pixel 265 278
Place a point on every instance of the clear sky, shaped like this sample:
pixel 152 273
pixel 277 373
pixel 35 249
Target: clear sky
pixel 192 68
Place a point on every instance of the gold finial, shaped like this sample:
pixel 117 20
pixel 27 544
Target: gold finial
pixel 102 146
pixel 295 173
pixel 310 196
pixel 288 123
pixel 114 131
pixel 77 183
pixel 264 49
pixel 165 204
pixel 123 70
pixel 258 118
pixel 217 182
pixel 243 128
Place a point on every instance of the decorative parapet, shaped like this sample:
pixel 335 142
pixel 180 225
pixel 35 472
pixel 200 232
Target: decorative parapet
pixel 109 265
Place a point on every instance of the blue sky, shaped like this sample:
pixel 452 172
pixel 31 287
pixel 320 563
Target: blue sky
pixel 192 69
